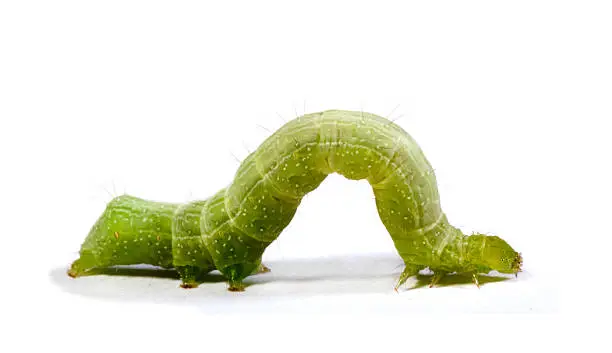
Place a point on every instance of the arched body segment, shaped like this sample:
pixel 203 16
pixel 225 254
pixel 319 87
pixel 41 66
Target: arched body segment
pixel 231 230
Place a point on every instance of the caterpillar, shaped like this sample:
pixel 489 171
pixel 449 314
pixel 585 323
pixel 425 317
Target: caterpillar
pixel 229 231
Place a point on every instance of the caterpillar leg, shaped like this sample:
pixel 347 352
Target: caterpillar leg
pixel 436 278
pixel 475 279
pixel 235 274
pixel 409 271
pixel 263 269
pixel 189 276
pixel 234 284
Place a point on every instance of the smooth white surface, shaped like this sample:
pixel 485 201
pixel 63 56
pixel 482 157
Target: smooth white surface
pixel 340 285
pixel 509 100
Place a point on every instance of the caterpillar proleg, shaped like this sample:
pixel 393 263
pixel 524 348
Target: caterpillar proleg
pixel 230 230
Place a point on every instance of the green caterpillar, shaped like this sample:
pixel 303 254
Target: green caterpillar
pixel 230 230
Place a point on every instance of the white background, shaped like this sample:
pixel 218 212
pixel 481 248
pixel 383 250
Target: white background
pixel 510 102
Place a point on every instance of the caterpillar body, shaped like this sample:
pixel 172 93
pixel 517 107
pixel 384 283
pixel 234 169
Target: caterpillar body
pixel 230 230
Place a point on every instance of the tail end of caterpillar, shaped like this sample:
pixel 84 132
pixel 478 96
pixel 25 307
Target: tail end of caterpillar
pixel 82 265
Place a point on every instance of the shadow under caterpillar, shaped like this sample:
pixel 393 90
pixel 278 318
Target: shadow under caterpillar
pixel 230 230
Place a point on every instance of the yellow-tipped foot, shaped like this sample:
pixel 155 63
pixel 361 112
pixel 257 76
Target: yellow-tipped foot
pixel 189 285
pixel 236 287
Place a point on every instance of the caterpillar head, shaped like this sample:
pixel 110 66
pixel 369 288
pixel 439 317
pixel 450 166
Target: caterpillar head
pixel 498 255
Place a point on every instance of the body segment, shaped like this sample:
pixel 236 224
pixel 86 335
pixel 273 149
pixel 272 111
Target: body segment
pixel 129 231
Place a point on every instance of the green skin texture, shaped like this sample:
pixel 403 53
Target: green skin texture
pixel 230 230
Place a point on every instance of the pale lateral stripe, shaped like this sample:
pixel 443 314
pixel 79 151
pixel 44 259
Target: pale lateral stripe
pixel 429 227
pixel 440 245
